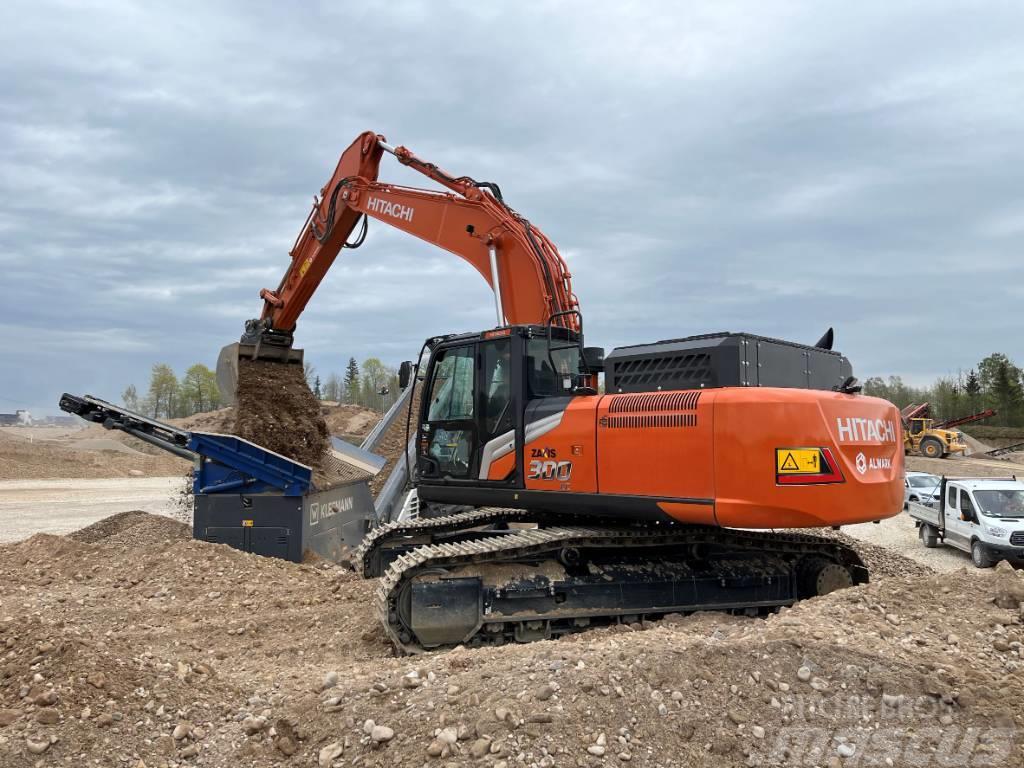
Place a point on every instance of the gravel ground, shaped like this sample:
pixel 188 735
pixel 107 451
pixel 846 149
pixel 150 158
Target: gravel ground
pixel 130 645
pixel 898 534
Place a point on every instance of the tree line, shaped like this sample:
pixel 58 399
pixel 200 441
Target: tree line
pixel 171 398
pixel 373 385
pixel 996 382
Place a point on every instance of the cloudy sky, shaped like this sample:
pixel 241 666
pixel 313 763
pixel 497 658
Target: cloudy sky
pixel 770 167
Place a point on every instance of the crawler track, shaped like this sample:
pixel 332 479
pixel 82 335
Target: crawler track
pixel 523 585
pixel 385 542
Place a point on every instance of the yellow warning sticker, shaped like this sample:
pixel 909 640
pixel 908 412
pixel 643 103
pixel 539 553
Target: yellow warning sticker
pixel 247 523
pixel 798 461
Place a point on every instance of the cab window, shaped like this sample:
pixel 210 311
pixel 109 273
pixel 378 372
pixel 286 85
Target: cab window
pixel 451 396
pixel 951 497
pixel 546 374
pixel 966 505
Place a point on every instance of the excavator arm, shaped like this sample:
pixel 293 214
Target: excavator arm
pixel 530 279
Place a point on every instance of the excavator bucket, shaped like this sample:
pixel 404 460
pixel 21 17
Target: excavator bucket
pixel 227 363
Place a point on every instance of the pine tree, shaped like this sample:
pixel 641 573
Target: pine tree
pixel 316 389
pixel 352 381
pixel 972 388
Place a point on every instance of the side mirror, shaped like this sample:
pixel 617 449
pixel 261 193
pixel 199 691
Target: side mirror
pixel 593 359
pixel 404 374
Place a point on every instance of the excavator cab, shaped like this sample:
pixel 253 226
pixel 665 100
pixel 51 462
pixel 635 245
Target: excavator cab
pixel 480 391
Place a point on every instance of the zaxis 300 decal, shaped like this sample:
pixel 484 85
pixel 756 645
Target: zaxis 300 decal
pixel 550 470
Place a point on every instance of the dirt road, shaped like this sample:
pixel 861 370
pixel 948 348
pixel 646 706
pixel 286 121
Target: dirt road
pixel 60 506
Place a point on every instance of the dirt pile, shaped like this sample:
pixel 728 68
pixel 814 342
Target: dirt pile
pixel 221 421
pixel 151 647
pixel 133 642
pixel 130 527
pixel 349 421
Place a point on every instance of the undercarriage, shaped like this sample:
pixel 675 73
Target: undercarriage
pixel 492 576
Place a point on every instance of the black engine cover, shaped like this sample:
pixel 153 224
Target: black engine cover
pixel 723 360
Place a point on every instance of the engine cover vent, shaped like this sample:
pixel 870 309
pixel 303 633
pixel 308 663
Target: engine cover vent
pixel 661 401
pixel 648 420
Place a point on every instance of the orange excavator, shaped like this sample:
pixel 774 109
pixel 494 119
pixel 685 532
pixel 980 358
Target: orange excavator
pixel 664 494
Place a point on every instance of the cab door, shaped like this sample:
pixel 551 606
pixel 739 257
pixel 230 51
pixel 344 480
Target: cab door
pixel 469 424
pixel 449 441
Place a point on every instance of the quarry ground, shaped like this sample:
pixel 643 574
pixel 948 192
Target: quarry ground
pixel 129 644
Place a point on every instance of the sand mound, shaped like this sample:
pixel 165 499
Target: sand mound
pixel 975 446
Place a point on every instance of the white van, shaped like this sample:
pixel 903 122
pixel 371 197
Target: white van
pixel 980 515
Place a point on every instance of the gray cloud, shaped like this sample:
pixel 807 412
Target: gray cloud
pixel 775 168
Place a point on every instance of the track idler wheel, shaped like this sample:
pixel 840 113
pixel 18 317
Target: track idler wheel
pixel 818 576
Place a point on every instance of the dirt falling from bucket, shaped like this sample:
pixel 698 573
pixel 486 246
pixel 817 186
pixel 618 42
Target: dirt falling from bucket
pixel 277 410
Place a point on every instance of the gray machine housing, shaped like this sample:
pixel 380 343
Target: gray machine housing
pixel 723 360
pixel 326 524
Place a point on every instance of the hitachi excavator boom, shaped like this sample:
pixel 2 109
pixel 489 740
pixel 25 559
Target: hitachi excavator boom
pixel 530 280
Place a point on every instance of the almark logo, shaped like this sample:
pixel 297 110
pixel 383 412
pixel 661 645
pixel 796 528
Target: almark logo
pixel 394 210
pixel 862 463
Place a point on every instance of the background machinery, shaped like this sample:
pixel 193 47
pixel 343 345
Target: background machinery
pixel 588 508
pixel 935 440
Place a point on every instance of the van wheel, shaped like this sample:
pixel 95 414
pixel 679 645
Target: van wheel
pixel 931 447
pixel 980 556
pixel 928 535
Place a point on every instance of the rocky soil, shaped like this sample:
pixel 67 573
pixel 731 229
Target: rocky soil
pixel 129 644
